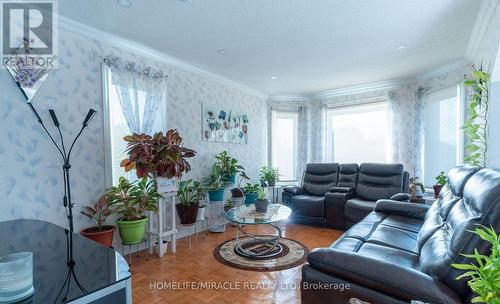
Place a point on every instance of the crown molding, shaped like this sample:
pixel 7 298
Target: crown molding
pixel 443 70
pixel 369 87
pixel 290 98
pixel 138 48
pixel 483 19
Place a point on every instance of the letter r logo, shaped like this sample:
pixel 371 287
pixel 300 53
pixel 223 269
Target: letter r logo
pixel 27 28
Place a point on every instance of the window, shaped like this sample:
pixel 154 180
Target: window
pixel 117 127
pixel 358 133
pixel 284 144
pixel 442 133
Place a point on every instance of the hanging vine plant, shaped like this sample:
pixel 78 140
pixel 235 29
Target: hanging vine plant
pixel 476 125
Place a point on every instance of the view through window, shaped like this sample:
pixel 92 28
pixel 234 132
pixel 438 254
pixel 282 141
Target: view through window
pixel 284 144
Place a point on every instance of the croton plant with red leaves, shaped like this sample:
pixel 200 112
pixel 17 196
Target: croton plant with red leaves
pixel 157 155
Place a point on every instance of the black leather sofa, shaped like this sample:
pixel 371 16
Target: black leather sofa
pixel 341 195
pixel 403 251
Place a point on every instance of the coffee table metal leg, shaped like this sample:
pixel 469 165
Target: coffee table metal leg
pixel 271 241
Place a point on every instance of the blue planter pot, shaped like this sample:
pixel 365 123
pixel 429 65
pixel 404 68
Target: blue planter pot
pixel 250 198
pixel 216 195
pixel 230 179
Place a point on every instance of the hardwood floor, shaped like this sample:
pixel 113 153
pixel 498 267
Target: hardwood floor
pixel 197 264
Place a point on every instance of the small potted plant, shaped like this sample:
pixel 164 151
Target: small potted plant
pixel 269 175
pixel 415 186
pixel 158 156
pixel 190 193
pixel 251 193
pixel 130 201
pixel 261 203
pixel 229 167
pixel 441 180
pixel 99 213
pixel 484 274
pixel 215 185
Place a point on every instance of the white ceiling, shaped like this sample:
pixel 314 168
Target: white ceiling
pixel 311 45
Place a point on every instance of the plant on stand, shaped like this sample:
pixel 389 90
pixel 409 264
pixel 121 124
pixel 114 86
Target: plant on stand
pixel 415 185
pixel 485 273
pixel 229 167
pixel 215 185
pixel 269 175
pixel 476 125
pixel 130 200
pixel 262 203
pixel 99 213
pixel 161 156
pixel 251 193
pixel 441 180
pixel 190 193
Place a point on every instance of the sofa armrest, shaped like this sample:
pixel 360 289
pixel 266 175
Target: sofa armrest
pixel 402 197
pixel 294 190
pixel 342 189
pixel 334 208
pixel 400 282
pixel 417 211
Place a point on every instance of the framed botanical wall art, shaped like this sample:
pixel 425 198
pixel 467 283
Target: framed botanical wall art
pixel 226 125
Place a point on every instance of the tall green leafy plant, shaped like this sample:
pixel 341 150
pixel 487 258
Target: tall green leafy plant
pixel 485 273
pixel 476 125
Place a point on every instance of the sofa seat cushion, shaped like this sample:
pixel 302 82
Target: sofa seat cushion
pixel 379 229
pixel 355 209
pixel 308 205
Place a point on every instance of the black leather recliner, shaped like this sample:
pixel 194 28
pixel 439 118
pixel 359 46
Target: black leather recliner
pixel 308 201
pixel 347 206
pixel 351 192
pixel 403 251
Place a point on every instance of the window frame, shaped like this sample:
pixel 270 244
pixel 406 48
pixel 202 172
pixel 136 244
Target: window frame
pixel 272 158
pixel 461 117
pixel 108 150
pixel 329 133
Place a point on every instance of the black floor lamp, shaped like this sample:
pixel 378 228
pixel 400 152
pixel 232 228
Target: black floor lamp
pixel 65 155
pixel 68 205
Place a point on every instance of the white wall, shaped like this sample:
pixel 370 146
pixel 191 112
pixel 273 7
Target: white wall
pixel 494 127
pixel 31 181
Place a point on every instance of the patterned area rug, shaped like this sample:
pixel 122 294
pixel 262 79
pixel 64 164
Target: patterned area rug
pixel 292 255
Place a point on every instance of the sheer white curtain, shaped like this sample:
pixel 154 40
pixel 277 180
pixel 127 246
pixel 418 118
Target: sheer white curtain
pixel 407 125
pixel 140 91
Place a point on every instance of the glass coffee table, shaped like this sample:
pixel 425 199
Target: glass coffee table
pixel 258 246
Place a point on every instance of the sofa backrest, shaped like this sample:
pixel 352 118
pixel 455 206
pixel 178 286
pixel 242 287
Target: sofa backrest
pixel 471 198
pixel 319 178
pixel 348 175
pixel 379 181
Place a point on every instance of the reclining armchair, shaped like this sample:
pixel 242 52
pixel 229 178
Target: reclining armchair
pixel 308 201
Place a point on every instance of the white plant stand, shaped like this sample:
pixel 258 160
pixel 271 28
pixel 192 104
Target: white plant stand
pixel 159 233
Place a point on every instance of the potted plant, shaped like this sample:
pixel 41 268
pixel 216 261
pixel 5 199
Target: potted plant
pixel 131 201
pixel 189 194
pixel 99 213
pixel 441 180
pixel 229 167
pixel 261 203
pixel 415 185
pixel 161 156
pixel 269 175
pixel 485 274
pixel 215 185
pixel 251 193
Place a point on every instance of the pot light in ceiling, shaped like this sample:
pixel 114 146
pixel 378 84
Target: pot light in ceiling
pixel 222 52
pixel 274 77
pixel 125 3
pixel 401 47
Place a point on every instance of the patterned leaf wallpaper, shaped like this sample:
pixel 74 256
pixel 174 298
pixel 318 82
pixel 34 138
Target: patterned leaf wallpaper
pixel 31 183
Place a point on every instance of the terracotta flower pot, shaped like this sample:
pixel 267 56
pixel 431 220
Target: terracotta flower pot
pixel 437 190
pixel 187 214
pixel 104 237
